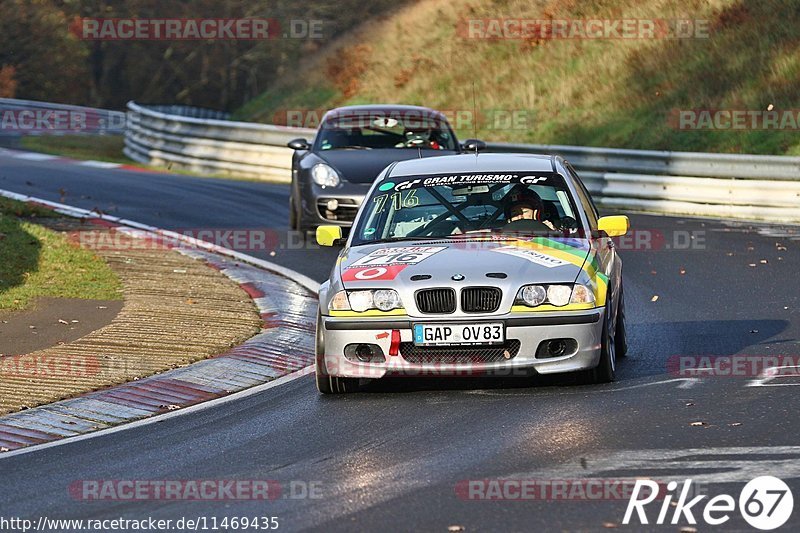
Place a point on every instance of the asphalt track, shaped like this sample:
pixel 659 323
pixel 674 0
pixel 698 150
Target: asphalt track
pixel 391 457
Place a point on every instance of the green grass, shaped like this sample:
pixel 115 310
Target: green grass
pixel 36 261
pixel 87 147
pixel 617 93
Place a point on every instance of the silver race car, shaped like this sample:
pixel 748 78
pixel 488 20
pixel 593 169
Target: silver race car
pixel 489 264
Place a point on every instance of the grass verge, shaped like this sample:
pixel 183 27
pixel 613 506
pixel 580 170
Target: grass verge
pixel 36 261
pixel 595 92
pixel 89 147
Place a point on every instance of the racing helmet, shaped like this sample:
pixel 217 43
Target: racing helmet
pixel 524 197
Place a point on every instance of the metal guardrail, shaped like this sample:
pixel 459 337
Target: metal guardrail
pixel 752 187
pixel 190 111
pixel 211 146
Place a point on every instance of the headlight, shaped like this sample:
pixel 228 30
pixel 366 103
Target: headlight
pixel 556 295
pixel 339 302
pixel 533 295
pixel 360 301
pixel 386 299
pixel 581 294
pixel 559 295
pixel 324 175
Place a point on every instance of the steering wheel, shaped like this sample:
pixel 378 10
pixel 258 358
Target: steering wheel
pixel 568 224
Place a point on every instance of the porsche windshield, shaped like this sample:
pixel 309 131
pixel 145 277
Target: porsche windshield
pixel 371 131
pixel 449 206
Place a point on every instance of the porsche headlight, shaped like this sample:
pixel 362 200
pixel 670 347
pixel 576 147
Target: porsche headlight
pixel 324 175
pixel 559 295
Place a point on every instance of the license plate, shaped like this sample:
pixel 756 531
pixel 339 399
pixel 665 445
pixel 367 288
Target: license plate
pixel 459 334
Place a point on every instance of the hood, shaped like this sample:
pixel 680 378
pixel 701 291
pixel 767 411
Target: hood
pixel 363 166
pixel 523 262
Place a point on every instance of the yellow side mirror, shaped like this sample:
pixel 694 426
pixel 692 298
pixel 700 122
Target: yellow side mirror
pixel 327 235
pixel 614 226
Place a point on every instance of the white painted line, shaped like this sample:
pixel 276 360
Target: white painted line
pixel 99 164
pixel 772 373
pixel 701 465
pixel 683 383
pixel 166 416
pixel 33 156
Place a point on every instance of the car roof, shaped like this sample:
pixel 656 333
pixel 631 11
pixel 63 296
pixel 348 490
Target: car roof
pixel 483 162
pixel 382 108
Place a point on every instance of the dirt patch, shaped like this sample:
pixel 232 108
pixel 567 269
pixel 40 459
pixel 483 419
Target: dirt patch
pixel 176 311
pixel 53 321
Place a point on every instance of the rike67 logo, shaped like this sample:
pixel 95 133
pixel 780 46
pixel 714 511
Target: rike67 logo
pixel 765 503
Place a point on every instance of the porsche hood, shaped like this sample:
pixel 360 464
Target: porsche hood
pixel 363 166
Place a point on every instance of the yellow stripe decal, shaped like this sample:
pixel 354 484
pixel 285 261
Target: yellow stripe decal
pixel 371 312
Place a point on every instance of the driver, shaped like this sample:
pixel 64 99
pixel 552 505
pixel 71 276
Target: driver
pixel 419 137
pixel 525 204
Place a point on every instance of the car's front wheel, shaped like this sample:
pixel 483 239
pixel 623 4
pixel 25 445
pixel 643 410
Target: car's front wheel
pixel 606 370
pixel 621 334
pixel 294 220
pixel 329 384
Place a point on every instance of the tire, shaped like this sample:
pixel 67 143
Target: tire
pixel 336 385
pixel 294 223
pixel 605 372
pixel 329 384
pixel 621 334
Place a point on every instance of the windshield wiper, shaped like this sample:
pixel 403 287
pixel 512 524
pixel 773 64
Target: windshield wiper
pixel 402 239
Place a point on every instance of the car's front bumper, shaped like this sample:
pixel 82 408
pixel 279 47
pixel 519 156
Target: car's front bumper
pixel 347 199
pixel 530 329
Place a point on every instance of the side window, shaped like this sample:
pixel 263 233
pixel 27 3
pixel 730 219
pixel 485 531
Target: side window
pixel 583 195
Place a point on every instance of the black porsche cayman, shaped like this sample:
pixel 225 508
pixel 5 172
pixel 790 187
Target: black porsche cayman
pixel 332 173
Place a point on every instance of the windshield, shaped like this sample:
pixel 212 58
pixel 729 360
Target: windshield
pixel 385 130
pixel 449 206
